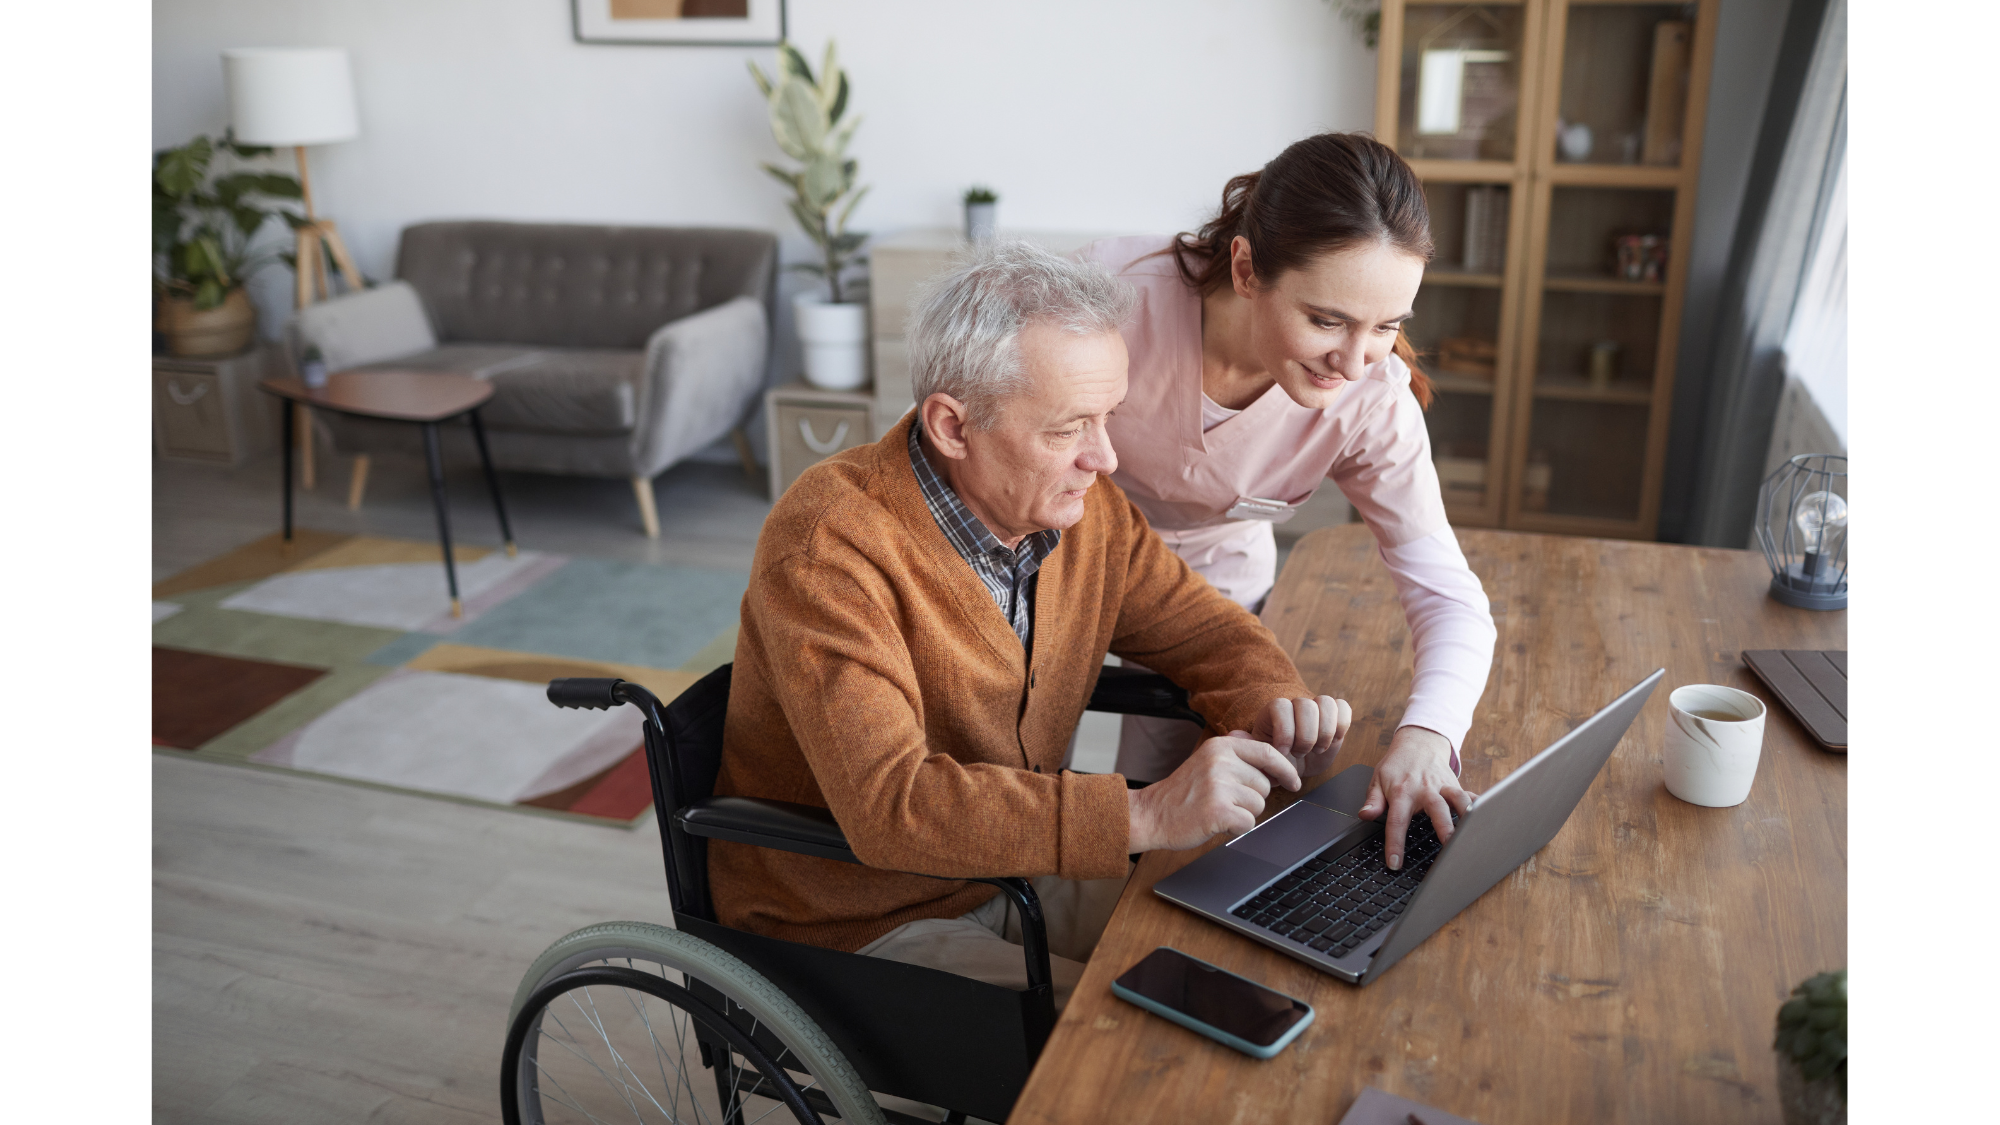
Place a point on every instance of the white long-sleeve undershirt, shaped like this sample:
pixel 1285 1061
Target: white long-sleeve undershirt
pixel 1451 632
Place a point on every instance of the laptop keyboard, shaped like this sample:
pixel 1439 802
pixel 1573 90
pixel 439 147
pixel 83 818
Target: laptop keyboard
pixel 1332 904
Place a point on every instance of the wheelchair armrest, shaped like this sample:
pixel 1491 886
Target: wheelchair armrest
pixel 1121 691
pixel 810 830
pixel 805 829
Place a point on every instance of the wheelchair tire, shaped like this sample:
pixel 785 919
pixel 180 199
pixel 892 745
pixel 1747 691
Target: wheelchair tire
pixel 575 965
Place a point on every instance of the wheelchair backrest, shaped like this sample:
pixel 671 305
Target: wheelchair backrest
pixel 688 762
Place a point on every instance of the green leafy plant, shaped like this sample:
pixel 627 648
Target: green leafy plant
pixel 807 122
pixel 980 193
pixel 1365 16
pixel 1812 1027
pixel 203 228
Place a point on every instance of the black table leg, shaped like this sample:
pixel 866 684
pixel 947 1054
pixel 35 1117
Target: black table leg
pixel 285 430
pixel 492 482
pixel 436 459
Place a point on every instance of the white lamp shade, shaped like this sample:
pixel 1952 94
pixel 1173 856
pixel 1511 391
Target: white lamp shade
pixel 290 95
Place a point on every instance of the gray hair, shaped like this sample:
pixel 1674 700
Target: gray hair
pixel 965 328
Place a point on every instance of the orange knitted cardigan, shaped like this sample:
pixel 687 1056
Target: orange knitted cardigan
pixel 876 677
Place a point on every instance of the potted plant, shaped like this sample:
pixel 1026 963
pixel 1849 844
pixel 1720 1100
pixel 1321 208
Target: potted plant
pixel 1812 1052
pixel 980 205
pixel 807 121
pixel 203 230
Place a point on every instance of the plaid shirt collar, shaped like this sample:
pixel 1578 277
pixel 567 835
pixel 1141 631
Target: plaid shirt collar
pixel 1008 575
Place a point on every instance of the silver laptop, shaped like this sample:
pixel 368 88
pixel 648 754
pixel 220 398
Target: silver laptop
pixel 1311 882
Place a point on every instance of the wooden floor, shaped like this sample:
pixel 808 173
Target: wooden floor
pixel 328 953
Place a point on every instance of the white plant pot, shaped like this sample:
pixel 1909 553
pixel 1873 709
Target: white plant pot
pixel 835 341
pixel 979 221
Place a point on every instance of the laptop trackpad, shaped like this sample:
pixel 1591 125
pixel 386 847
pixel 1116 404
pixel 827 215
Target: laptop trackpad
pixel 1294 834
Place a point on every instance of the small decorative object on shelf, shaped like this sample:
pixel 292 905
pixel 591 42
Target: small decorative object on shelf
pixel 1641 257
pixel 807 122
pixel 1575 142
pixel 1603 364
pixel 1812 1052
pixel 1802 527
pixel 980 207
pixel 312 369
pixel 1468 355
pixel 1536 476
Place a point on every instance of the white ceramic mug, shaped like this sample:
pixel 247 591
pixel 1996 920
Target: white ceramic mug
pixel 1713 761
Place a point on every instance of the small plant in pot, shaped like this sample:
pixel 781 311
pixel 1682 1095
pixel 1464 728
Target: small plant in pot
pixel 204 234
pixel 1812 1052
pixel 809 123
pixel 980 208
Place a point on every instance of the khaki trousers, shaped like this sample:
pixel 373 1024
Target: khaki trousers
pixel 985 943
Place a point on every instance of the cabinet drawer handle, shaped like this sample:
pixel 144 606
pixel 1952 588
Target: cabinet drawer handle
pixel 183 398
pixel 823 448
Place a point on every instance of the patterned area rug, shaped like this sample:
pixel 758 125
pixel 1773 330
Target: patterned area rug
pixel 337 655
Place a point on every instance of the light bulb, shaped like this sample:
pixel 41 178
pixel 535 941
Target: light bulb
pixel 1818 515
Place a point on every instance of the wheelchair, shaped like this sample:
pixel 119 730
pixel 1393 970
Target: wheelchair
pixel 616 1021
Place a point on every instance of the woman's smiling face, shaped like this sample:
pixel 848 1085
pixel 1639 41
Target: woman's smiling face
pixel 1317 328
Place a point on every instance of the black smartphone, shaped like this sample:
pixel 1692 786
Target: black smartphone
pixel 1212 1001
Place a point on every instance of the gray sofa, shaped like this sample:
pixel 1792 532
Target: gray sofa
pixel 613 351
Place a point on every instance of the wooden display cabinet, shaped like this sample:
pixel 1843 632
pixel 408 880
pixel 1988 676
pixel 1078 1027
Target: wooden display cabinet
pixel 1547 131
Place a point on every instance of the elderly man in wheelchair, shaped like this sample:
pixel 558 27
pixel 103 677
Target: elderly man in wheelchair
pixel 901 880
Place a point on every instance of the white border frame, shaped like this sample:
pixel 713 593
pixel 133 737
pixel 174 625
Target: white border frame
pixel 765 27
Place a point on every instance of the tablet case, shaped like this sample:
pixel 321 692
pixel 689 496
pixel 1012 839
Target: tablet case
pixel 1812 686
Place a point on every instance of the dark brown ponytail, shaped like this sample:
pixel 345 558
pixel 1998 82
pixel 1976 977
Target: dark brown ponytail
pixel 1322 194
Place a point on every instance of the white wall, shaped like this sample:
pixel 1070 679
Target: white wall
pixel 1112 115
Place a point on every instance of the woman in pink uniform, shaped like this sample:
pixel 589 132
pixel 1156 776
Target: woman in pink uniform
pixel 1267 356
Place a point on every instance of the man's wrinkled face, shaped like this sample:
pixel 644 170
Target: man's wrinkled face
pixel 1031 470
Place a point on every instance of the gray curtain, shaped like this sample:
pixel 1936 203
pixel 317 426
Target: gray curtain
pixel 1801 145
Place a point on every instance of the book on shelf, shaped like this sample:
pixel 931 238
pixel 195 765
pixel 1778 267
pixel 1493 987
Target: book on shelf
pixel 1485 228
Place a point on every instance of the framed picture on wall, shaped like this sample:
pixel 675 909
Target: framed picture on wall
pixel 680 23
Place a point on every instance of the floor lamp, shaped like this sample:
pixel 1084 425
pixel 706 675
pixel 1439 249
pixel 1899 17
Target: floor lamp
pixel 291 97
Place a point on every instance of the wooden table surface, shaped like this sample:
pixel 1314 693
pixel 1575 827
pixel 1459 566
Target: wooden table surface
pixel 402 396
pixel 1631 971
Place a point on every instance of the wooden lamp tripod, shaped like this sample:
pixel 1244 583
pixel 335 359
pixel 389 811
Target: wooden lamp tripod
pixel 291 97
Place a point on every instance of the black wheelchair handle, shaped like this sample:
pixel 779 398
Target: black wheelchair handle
pixel 579 691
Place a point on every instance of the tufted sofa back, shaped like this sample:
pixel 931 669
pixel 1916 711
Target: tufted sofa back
pixel 569 285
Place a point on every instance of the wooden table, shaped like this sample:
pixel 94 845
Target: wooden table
pixel 425 398
pixel 1631 971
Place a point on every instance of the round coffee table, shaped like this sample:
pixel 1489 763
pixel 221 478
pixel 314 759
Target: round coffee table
pixel 424 398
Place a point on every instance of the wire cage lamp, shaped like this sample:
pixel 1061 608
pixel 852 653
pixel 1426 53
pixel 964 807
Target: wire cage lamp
pixel 1802 527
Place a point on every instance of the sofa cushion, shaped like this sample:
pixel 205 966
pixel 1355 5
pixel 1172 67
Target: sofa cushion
pixel 568 391
pixel 481 361
pixel 542 390
pixel 579 286
pixel 365 327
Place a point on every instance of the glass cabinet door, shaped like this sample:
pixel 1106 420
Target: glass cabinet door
pixel 1460 333
pixel 1460 75
pixel 1625 77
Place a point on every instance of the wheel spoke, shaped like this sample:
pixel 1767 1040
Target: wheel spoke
pixel 659 1050
pixel 572 1047
pixel 559 1086
pixel 624 1067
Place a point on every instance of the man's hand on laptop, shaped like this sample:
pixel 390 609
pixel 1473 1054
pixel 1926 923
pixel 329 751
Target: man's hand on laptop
pixel 1308 730
pixel 1415 776
pixel 1220 788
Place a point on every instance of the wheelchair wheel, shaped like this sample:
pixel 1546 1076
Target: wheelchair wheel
pixel 627 1021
